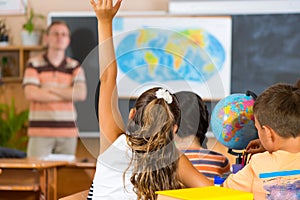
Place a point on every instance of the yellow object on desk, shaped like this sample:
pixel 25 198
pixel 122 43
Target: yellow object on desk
pixel 204 193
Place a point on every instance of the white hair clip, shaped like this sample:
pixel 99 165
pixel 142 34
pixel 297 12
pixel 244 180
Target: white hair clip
pixel 164 94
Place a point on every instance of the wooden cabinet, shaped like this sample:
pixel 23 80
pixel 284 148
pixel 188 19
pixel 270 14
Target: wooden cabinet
pixel 13 60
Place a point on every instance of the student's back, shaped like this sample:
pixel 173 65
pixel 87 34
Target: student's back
pixel 277 117
pixel 192 134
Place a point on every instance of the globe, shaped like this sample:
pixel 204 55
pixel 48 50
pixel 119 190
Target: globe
pixel 232 121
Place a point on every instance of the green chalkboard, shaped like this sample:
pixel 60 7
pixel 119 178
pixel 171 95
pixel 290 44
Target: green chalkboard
pixel 265 50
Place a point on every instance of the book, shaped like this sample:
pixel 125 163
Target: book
pixel 204 193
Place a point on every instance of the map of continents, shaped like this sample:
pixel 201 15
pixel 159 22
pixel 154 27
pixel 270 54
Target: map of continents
pixel 150 54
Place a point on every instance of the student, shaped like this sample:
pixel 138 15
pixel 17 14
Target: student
pixel 133 164
pixel 52 82
pixel 191 135
pixel 277 117
pixel 255 146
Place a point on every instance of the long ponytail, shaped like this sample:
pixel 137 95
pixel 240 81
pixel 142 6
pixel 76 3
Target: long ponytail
pixel 150 136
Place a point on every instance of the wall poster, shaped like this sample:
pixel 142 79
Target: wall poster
pixel 179 53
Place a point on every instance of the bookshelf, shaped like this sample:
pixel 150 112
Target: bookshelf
pixel 13 61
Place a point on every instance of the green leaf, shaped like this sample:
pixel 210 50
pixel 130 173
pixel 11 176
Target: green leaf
pixel 11 122
pixel 29 24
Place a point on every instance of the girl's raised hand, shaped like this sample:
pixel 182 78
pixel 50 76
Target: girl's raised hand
pixel 105 10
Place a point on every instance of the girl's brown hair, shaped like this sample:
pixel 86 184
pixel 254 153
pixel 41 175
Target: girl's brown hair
pixel 150 136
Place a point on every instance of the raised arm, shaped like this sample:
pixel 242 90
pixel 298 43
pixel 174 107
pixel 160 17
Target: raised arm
pixel 110 120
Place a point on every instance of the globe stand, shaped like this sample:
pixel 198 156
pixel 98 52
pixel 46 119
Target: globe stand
pixel 252 94
pixel 238 161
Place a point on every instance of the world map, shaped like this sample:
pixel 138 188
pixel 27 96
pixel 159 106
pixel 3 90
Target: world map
pixel 152 54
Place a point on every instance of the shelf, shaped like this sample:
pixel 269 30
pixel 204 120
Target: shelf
pixel 19 48
pixel 17 56
pixel 11 79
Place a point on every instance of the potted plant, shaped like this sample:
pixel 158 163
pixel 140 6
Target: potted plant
pixel 13 126
pixel 3 33
pixel 30 34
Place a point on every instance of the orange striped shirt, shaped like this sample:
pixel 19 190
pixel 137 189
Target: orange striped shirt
pixel 208 162
pixel 52 119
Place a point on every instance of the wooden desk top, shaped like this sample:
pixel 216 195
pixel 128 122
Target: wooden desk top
pixel 34 163
pixel 82 163
pixel 29 163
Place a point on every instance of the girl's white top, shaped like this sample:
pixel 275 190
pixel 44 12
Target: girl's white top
pixel 108 180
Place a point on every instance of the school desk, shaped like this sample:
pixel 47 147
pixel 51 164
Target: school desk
pixel 29 178
pixel 75 176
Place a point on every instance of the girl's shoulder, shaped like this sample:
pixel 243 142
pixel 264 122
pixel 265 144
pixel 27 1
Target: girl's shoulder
pixel 119 145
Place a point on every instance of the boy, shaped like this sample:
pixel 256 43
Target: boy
pixel 277 119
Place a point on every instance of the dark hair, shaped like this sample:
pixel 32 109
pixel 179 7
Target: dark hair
pixel 194 115
pixel 298 83
pixel 56 23
pixel 150 136
pixel 279 108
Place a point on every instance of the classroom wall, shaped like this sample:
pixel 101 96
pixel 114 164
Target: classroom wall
pixel 44 7
pixel 14 24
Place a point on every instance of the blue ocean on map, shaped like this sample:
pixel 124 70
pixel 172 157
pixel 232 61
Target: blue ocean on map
pixel 151 54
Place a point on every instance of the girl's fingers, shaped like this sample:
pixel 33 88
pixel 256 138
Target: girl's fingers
pixel 108 3
pixel 95 3
pixel 92 2
pixel 100 2
pixel 117 6
pixel 105 9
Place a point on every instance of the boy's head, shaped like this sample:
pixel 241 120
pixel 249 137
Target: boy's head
pixel 194 116
pixel 278 108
